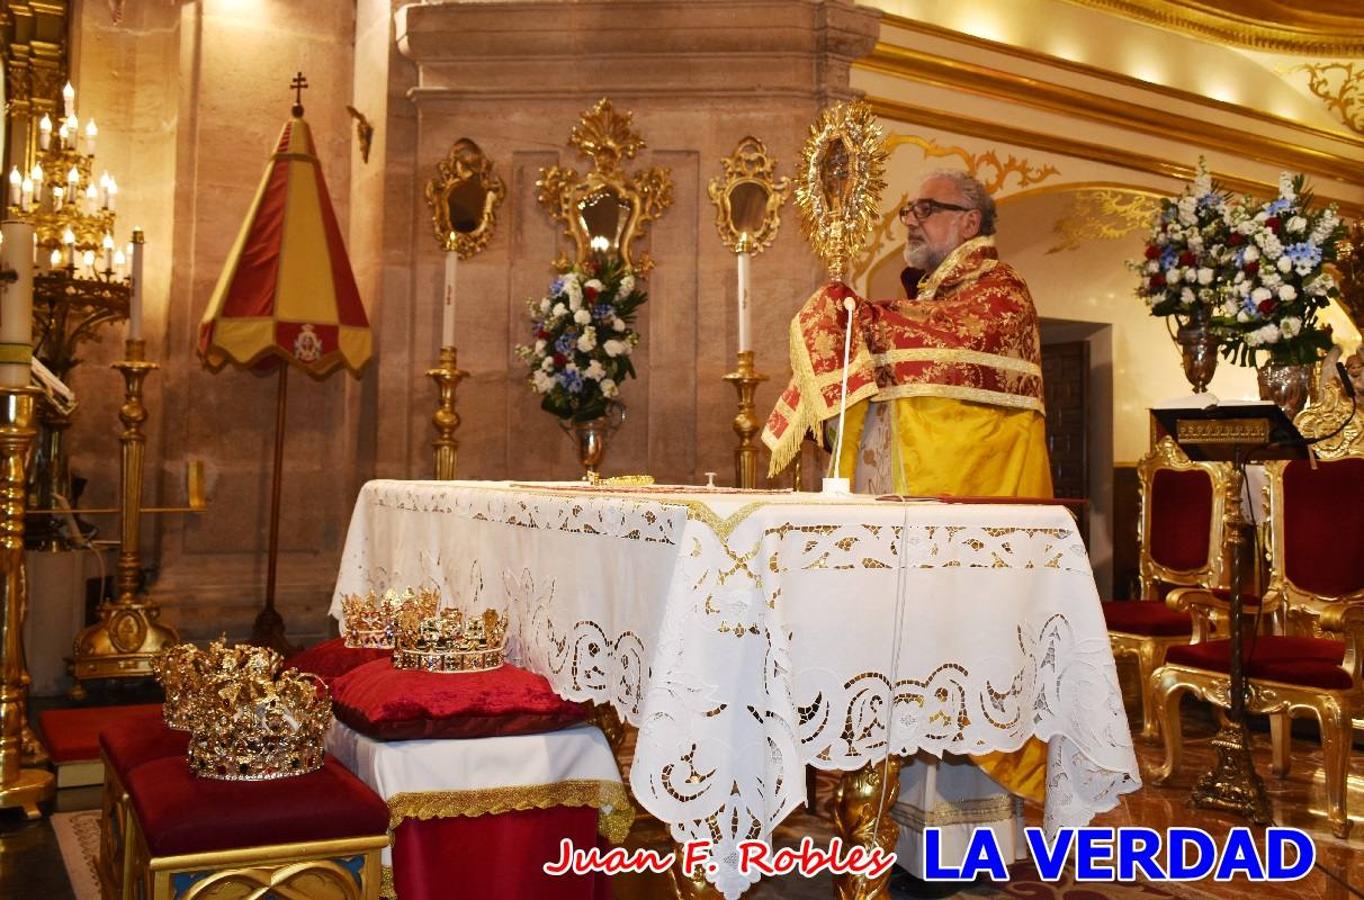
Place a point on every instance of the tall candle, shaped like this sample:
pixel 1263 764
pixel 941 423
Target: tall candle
pixel 45 132
pixel 135 307
pixel 447 318
pixel 745 332
pixel 68 100
pixel 16 304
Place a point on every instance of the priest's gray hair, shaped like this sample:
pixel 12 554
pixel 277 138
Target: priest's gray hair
pixel 975 194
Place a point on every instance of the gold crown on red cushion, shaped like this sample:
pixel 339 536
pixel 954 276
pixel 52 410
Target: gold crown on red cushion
pixel 182 669
pixel 449 641
pixel 368 621
pixel 257 726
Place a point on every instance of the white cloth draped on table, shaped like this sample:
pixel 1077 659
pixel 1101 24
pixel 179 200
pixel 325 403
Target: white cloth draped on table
pixel 747 634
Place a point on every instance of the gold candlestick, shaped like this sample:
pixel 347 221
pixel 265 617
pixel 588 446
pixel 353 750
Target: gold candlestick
pixel 746 424
pixel 128 634
pixel 24 788
pixel 447 376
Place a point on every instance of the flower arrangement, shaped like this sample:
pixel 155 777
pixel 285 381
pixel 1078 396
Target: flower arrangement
pixel 1186 251
pixel 1276 280
pixel 583 339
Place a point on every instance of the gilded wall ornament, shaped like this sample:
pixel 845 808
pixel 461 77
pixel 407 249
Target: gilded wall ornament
pixel 1104 214
pixel 1350 274
pixel 987 168
pixel 839 185
pixel 748 198
pixel 1341 86
pixel 463 198
pixel 607 209
pixel 364 131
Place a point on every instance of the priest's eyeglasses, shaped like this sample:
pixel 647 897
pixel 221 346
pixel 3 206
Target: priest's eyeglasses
pixel 922 210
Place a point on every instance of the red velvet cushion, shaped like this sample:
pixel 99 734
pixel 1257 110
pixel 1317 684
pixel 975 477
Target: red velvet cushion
pixel 407 704
pixel 182 813
pixel 1146 617
pixel 1323 526
pixel 1313 662
pixel 330 660
pixel 72 735
pixel 131 743
pixel 1181 518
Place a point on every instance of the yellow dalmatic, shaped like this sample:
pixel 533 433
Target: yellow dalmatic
pixel 945 398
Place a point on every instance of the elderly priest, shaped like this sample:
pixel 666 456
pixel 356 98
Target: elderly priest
pixel 944 398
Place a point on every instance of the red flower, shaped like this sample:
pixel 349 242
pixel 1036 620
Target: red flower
pixel 542 334
pixel 1152 251
pixel 1187 258
pixel 1252 267
pixel 589 294
pixel 1157 282
pixel 560 360
pixel 1267 306
pixel 1272 223
pixel 1236 239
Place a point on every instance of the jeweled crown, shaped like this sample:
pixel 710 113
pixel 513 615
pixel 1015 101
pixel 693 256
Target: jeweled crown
pixel 183 668
pixel 256 726
pixel 368 621
pixel 449 641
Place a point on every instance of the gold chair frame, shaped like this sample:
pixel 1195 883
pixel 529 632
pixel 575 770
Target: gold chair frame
pixel 1295 612
pixel 1149 650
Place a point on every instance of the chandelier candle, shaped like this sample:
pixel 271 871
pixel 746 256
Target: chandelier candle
pixel 135 305
pixel 447 313
pixel 745 331
pixel 16 307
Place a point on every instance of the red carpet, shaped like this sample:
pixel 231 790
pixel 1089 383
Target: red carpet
pixel 72 735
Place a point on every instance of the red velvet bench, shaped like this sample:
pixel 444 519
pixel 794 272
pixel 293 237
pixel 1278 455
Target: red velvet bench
pixel 318 835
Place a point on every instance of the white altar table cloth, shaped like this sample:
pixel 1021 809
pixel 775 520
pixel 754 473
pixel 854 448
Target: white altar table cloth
pixel 747 634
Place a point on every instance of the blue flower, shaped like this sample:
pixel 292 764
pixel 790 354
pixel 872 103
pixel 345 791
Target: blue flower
pixel 565 343
pixel 1304 254
pixel 572 381
pixel 1278 206
pixel 1167 258
pixel 603 311
pixel 557 287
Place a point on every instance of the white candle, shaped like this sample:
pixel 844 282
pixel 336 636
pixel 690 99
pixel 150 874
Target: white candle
pixel 45 132
pixel 16 304
pixel 91 132
pixel 26 193
pixel 745 338
pixel 447 318
pixel 135 308
pixel 68 100
pixel 16 182
pixel 111 200
pixel 37 176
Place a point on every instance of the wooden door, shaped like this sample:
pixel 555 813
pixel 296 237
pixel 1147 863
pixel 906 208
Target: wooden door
pixel 1065 375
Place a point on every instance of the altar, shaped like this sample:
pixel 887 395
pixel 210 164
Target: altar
pixel 750 633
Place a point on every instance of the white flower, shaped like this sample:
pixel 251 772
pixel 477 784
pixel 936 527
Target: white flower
pixel 1296 224
pixel 1186 296
pixel 1268 333
pixel 587 341
pixel 1152 267
pixel 1325 226
pixel 1243 316
pixel 595 371
pixel 1319 286
pixel 544 305
pixel 571 367
pixel 618 325
pixel 1287 293
pixel 539 348
pixel 1252 253
pixel 1205 276
pixel 547 364
pixel 559 310
pixel 542 382
pixel 1261 294
pixel 575 302
pixel 1262 216
pixel 614 348
pixel 1290 326
pixel 1285 264
pixel 1172 276
pixel 1286 186
pixel 582 317
pixel 627 286
pixel 608 387
pixel 573 290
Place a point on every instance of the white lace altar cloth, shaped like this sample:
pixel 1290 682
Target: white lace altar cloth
pixel 748 634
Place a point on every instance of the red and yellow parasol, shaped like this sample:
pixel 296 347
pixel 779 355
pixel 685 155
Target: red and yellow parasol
pixel 286 297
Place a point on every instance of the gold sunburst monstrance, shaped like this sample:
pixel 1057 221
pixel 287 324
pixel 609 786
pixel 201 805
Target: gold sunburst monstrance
pixel 839 184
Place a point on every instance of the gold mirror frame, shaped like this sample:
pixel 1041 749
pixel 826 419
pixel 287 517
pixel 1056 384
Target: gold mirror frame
pixel 464 165
pixel 749 164
pixel 606 137
pixel 839 185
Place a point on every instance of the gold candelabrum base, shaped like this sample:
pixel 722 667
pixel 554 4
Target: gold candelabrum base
pixel 746 424
pixel 447 376
pixel 128 634
pixel 19 787
pixel 1233 784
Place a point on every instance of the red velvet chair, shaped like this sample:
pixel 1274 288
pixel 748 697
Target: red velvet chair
pixel 1316 595
pixel 1184 509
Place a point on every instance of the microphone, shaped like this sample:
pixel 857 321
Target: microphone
pixel 1346 384
pixel 835 485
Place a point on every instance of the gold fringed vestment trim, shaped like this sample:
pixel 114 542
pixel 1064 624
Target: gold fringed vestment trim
pixel 615 814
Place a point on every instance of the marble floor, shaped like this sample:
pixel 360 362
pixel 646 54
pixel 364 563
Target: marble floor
pixel 31 867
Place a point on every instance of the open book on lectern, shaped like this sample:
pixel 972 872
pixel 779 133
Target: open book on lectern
pixel 1208 429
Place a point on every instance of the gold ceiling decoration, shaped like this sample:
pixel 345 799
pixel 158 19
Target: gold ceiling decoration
pixel 984 167
pixel 1321 28
pixel 838 188
pixel 1105 214
pixel 1341 86
pixel 463 198
pixel 606 210
pixel 748 198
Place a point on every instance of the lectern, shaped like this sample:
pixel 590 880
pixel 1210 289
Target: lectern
pixel 1237 434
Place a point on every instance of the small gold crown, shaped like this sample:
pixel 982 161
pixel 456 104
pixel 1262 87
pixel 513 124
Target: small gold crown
pixel 368 621
pixel 449 642
pixel 183 668
pixel 247 725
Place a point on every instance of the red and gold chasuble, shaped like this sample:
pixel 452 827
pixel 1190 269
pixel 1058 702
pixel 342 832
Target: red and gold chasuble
pixel 971 335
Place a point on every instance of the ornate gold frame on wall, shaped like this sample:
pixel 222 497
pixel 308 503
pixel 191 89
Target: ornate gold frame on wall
pixel 463 173
pixel 838 188
pixel 577 201
pixel 748 170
